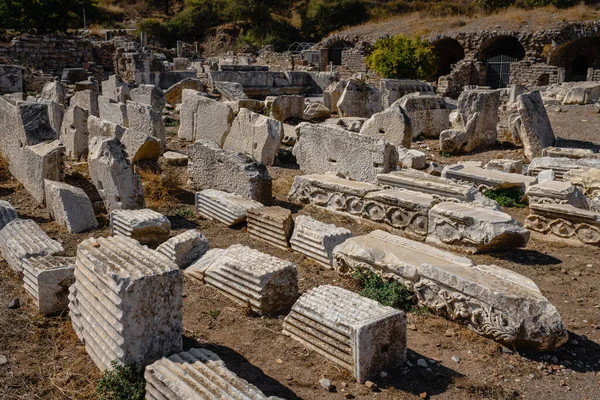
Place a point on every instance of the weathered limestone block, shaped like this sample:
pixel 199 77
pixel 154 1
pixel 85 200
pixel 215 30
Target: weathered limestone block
pixel 394 89
pixel 149 94
pixel 70 207
pixel 271 224
pixel 47 279
pixel 565 223
pixel 140 146
pixel 428 115
pixel 514 128
pixel 478 111
pixel 228 208
pixel 487 178
pixel 11 78
pixel 104 129
pixel 255 135
pixel 112 111
pixel 39 162
pixel 7 213
pixel 474 229
pixel 89 84
pixel 74 132
pixel 110 172
pixel 230 91
pixel 146 226
pixel 267 284
pixel 331 192
pixel 582 93
pixel 285 107
pixel 175 158
pixel 174 94
pixel 56 113
pixel 440 188
pixel 536 132
pixel 332 94
pixel 569 152
pixel 256 106
pixel 494 302
pixel 556 192
pixel 411 158
pixel 352 124
pixel 54 91
pixel 316 239
pixel 202 118
pixel 88 100
pixel 143 118
pixel 315 111
pixel 586 179
pixel 359 99
pixel 560 166
pixel 23 238
pixel 185 248
pixel 505 165
pixel 322 149
pixel 392 125
pixel 211 167
pixel 115 89
pixel 354 332
pixel 126 303
pixel 196 374
pixel 197 269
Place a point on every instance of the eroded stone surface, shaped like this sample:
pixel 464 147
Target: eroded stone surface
pixel 564 222
pixel 487 178
pixel 146 226
pixel 224 207
pixel 185 248
pixel 391 124
pixel 316 239
pixel 428 114
pixel 536 132
pixel 273 224
pixel 70 207
pixel 556 192
pixel 202 118
pixel 47 279
pixel 359 99
pixel 7 213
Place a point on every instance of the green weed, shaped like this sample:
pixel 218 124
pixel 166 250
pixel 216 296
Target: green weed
pixel 510 197
pixel 121 383
pixel 388 292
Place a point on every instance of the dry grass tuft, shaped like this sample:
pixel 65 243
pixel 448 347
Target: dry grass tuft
pixel 4 174
pixel 158 188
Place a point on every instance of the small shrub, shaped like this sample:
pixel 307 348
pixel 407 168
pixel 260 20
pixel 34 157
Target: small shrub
pixel 184 213
pixel 507 197
pixel 214 314
pixel 402 57
pixel 4 174
pixel 445 154
pixel 121 383
pixel 388 292
pixel 493 5
pixel 157 189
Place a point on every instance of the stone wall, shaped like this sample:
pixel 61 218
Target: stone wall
pixel 528 73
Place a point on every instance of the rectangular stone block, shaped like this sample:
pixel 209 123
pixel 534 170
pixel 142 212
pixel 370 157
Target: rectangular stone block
pixel 197 374
pixel 560 165
pixel 271 224
pixel 487 178
pixel 569 152
pixel 23 238
pixel 564 223
pixel 426 183
pixel 227 208
pixel 354 332
pixel 146 226
pixel 202 118
pixel 494 302
pixel 316 239
pixel 126 303
pixel 267 284
pixel 11 79
pixel 70 207
pixel 47 279
pixel 557 192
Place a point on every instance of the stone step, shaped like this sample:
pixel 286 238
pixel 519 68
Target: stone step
pixel 352 331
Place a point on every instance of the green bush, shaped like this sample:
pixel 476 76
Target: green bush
pixel 121 383
pixel 320 17
pixel 543 3
pixel 402 57
pixel 387 292
pixel 492 5
pixel 510 197
pixel 45 16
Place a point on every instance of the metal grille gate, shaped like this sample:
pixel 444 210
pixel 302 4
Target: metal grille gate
pixel 498 71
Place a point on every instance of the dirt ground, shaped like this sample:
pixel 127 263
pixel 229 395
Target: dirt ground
pixel 45 361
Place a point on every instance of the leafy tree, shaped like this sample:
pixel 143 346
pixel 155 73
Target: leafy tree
pixel 402 57
pixel 320 17
pixel 45 16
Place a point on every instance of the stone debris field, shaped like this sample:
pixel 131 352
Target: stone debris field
pixel 327 238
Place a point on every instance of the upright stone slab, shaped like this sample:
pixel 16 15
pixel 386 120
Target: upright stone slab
pixel 536 132
pixel 285 107
pixel 56 113
pixel 556 192
pixel 211 167
pixel 88 100
pixel 332 94
pixel 185 248
pixel 392 125
pixel 202 118
pixel 428 114
pixel 126 303
pixel 104 129
pixel 47 279
pixel 54 91
pixel 255 135
pixel 271 224
pixel 74 132
pixel 115 89
pixel 197 374
pixel 149 94
pixel 143 118
pixel 146 226
pixel 354 332
pixel 110 172
pixel 70 207
pixel 322 149
pixel 267 284
pixel 487 178
pixel 564 223
pixel 474 229
pixel 40 162
pixel 140 146
pixel 7 213
pixel 359 99
pixel 228 208
pixel 494 302
pixel 23 238
pixel 11 78
pixel 112 111
pixel 316 239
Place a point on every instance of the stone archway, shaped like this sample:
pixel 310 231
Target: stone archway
pixel 449 51
pixel 498 54
pixel 576 57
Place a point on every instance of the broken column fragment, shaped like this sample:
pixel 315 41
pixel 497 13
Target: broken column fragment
pixel 224 207
pixel 47 279
pixel 316 239
pixel 271 224
pixel 352 331
pixel 185 248
pixel 494 302
pixel 70 207
pixel 126 303
pixel 146 226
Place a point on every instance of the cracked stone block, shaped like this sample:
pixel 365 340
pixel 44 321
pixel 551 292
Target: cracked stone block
pixel 115 89
pixel 494 302
pixel 88 100
pixel 146 226
pixel 536 132
pixel 7 213
pixel 487 178
pixel 556 192
pixel 564 223
pixel 426 183
pixel 74 132
pixel 126 303
pixel 356 333
pixel 316 239
pixel 185 248
pixel 198 268
pixel 285 107
pixel 149 94
pixel 359 99
pixel 505 165
pixel 586 179
pixel 47 279
pixel 428 114
pixel 201 118
pixel 112 111
pixel 271 224
pixel 560 166
pixel 227 208
pixel 143 118
pixel 70 207
pixel 391 124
